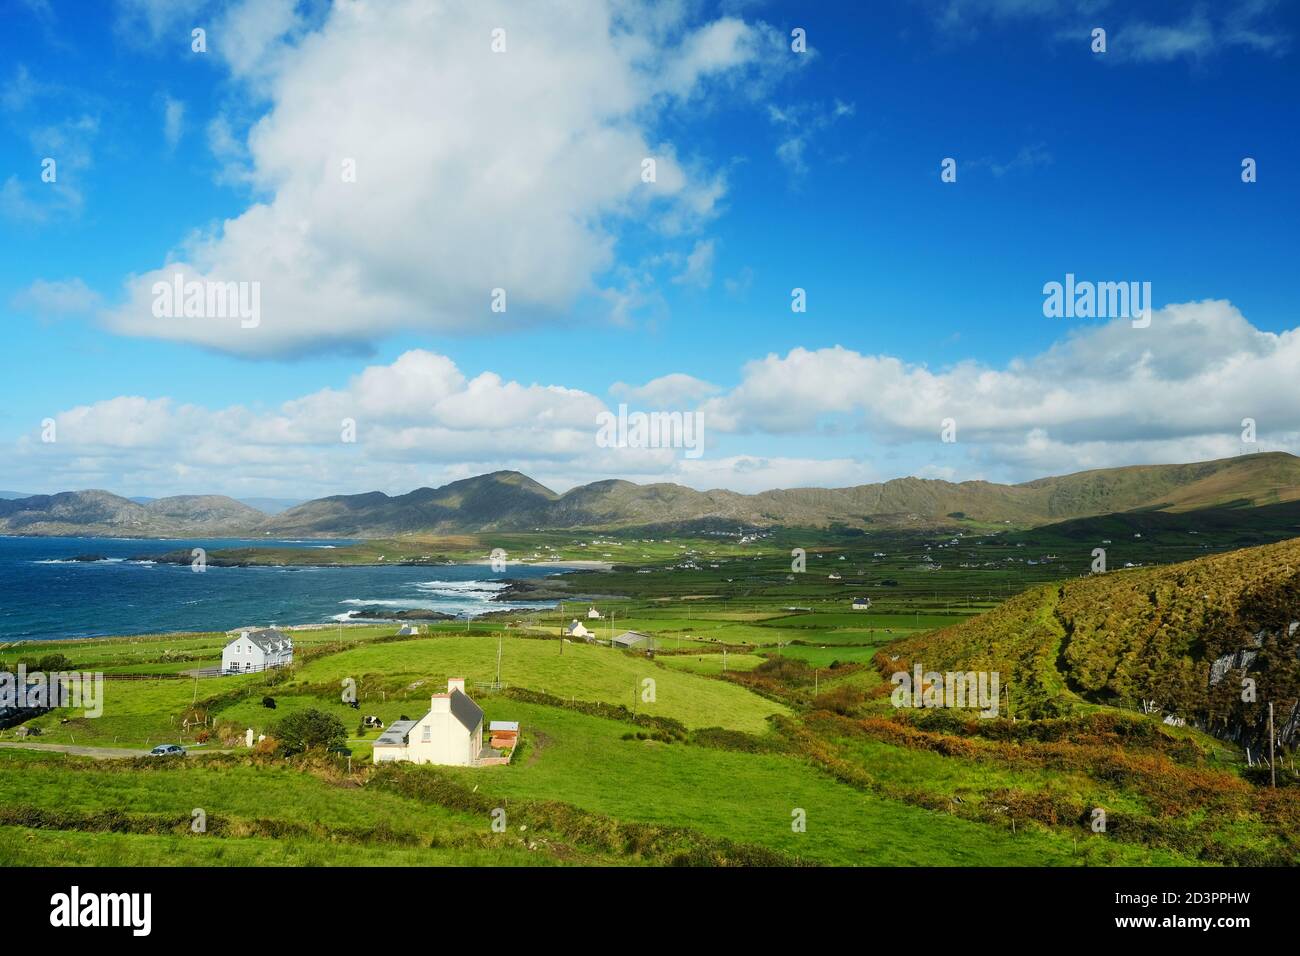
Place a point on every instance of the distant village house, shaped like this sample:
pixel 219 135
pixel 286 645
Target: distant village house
pixel 578 629
pixel 256 650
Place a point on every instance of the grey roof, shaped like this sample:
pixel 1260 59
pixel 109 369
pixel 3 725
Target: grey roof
pixel 504 725
pixel 466 711
pixel 263 637
pixel 630 639
pixel 396 733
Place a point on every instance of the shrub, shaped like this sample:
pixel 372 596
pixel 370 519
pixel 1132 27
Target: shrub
pixel 309 729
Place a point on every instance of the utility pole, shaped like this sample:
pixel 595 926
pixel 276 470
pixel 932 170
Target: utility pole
pixel 499 640
pixel 1272 766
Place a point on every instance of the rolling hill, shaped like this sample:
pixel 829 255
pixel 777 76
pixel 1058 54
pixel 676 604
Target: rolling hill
pixel 101 513
pixel 510 501
pixel 1177 640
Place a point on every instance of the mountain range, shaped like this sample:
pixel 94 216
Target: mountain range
pixel 510 501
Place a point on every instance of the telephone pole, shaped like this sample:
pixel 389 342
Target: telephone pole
pixel 1272 765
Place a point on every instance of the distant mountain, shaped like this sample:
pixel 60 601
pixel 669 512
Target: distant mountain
pixel 271 506
pixel 8 495
pixel 101 513
pixel 510 501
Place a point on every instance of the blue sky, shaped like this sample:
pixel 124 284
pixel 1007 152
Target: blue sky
pixel 817 170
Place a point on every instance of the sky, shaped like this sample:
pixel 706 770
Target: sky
pixel 462 258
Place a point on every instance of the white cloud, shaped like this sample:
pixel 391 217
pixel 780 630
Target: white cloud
pixel 1106 395
pixel 149 21
pixel 34 197
pixel 800 125
pixel 474 170
pixel 1113 391
pixel 1205 30
pixel 173 120
pixel 675 391
pixel 67 297
pixel 699 266
pixel 19 91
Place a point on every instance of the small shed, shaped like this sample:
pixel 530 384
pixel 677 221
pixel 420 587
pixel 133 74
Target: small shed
pixel 504 734
pixel 633 639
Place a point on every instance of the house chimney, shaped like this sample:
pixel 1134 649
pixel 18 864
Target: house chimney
pixel 455 684
pixel 440 704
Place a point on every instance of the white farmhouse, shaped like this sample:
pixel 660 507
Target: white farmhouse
pixel 862 604
pixel 593 614
pixel 578 629
pixel 451 733
pixel 256 650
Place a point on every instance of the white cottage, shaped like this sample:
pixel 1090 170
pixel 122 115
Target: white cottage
pixel 451 733
pixel 593 614
pixel 578 629
pixel 256 650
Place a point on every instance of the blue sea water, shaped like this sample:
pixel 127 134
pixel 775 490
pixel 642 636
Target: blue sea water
pixel 45 594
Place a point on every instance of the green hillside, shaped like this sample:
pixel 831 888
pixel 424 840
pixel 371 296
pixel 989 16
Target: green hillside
pixel 1143 639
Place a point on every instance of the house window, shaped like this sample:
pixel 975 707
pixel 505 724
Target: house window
pixel 248 665
pixel 428 734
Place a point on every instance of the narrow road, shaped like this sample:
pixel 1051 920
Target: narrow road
pixel 99 753
pixel 103 753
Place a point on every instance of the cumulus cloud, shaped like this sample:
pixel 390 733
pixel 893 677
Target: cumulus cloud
pixel 409 170
pixel 674 391
pixel 1122 394
pixel 1106 395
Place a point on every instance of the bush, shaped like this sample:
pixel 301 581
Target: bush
pixel 308 730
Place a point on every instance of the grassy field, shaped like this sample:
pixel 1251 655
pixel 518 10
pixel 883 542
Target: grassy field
pixel 702 764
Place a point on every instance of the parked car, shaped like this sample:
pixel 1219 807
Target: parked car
pixel 167 750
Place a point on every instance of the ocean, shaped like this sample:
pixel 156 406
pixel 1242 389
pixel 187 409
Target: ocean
pixel 44 594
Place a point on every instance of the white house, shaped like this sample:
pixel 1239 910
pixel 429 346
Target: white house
pixel 862 604
pixel 578 629
pixel 593 614
pixel 451 733
pixel 406 630
pixel 256 650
